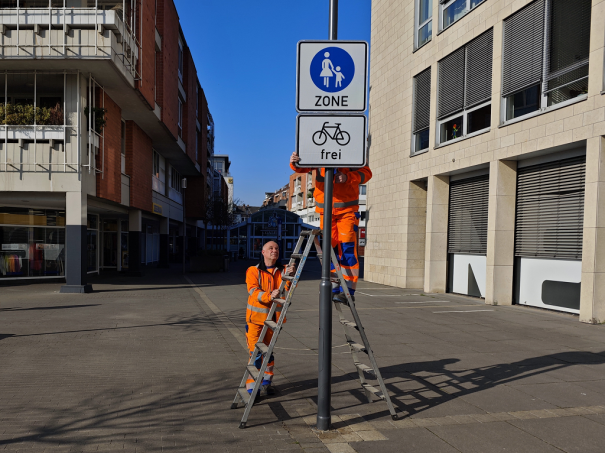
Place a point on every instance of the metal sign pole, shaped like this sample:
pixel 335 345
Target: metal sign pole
pixel 324 383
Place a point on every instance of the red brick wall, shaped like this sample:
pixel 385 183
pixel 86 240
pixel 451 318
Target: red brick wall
pixel 203 117
pixel 168 26
pixel 139 165
pixel 159 62
pixel 109 185
pixel 147 53
pixel 190 81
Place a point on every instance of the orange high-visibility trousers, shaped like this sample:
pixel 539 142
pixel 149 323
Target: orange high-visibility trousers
pixel 252 335
pixel 344 242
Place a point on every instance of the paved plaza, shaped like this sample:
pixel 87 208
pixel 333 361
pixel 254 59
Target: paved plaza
pixel 152 364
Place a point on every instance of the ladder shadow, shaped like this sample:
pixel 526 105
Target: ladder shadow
pixel 433 383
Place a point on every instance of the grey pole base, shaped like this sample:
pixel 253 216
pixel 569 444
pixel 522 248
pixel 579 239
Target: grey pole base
pixel 75 289
pixel 323 423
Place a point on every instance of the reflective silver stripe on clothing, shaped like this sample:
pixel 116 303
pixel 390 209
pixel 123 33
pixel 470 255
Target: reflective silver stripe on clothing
pixel 259 297
pixel 362 175
pixel 257 309
pixel 252 290
pixel 320 205
pixel 346 203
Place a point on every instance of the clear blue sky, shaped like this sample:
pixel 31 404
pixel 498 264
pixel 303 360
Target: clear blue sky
pixel 245 55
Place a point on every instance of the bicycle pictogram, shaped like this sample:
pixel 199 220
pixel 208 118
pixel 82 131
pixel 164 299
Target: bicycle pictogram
pixel 341 137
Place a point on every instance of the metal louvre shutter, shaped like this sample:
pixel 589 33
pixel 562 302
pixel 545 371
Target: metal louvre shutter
pixel 523 46
pixel 550 209
pixel 568 43
pixel 422 100
pixel 451 84
pixel 467 224
pixel 479 57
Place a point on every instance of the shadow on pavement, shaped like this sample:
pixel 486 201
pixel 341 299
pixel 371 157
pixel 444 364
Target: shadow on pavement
pixel 58 307
pixel 450 384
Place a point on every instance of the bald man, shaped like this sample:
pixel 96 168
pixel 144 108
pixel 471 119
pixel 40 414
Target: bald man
pixel 263 282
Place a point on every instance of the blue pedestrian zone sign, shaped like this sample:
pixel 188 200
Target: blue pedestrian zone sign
pixel 332 69
pixel 332 76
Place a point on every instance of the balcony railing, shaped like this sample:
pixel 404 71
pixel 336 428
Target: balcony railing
pixel 35 138
pixel 49 17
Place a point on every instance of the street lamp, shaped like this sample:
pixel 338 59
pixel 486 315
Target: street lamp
pixel 183 187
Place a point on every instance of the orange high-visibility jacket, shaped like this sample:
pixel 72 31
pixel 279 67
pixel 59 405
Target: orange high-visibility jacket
pixel 346 195
pixel 260 284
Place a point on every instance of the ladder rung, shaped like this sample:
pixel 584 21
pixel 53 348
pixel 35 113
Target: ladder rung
pixel 296 256
pixel 288 278
pixel 271 325
pixel 367 369
pixel 243 393
pixel 279 301
pixel 344 322
pixel 373 390
pixel 253 371
pixel 356 346
pixel 306 232
pixel 262 347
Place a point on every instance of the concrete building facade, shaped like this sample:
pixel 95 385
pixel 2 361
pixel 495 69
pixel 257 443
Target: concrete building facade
pixel 487 124
pixel 102 116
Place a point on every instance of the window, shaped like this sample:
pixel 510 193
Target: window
pixel 422 111
pixel 424 22
pixel 156 164
pixel 123 138
pixel 197 133
pixel 453 10
pixel 197 101
pixel 175 180
pixel 180 123
pixel 545 59
pixel 464 90
pixel 362 189
pixel 180 60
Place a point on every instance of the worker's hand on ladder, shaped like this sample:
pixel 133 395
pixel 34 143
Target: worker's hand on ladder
pixel 290 269
pixel 274 294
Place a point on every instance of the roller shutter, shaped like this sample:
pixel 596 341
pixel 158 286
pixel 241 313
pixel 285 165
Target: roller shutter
pixel 550 209
pixel 467 228
pixel 422 100
pixel 523 48
pixel 451 83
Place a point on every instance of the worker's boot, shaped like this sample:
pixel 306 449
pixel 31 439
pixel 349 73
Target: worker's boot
pixel 342 298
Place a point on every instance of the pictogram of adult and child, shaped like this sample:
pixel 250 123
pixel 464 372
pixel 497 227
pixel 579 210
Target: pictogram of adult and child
pixel 328 71
pixel 332 69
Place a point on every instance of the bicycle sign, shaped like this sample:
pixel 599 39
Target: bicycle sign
pixel 341 137
pixel 331 141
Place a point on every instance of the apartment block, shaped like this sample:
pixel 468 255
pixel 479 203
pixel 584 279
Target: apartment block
pixel 103 122
pixel 487 120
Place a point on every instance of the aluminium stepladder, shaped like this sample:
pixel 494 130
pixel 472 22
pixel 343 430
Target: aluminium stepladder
pixel 267 350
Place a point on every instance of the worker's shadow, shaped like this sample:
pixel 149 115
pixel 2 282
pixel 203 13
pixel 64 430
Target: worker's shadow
pixel 417 386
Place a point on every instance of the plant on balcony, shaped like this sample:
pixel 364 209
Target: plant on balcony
pixel 23 115
pixel 99 116
pixel 310 193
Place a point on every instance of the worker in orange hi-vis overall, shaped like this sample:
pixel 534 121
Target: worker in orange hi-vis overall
pixel 345 218
pixel 263 281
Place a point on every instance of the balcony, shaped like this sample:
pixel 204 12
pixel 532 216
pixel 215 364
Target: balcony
pixel 78 29
pixel 41 117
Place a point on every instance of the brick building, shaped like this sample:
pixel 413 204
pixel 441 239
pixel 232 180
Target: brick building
pixel 277 199
pixel 102 117
pixel 487 124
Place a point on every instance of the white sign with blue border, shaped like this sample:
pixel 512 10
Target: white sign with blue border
pixel 332 76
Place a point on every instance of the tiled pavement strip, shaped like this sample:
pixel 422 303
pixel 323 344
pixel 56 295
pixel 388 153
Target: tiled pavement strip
pixel 152 364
